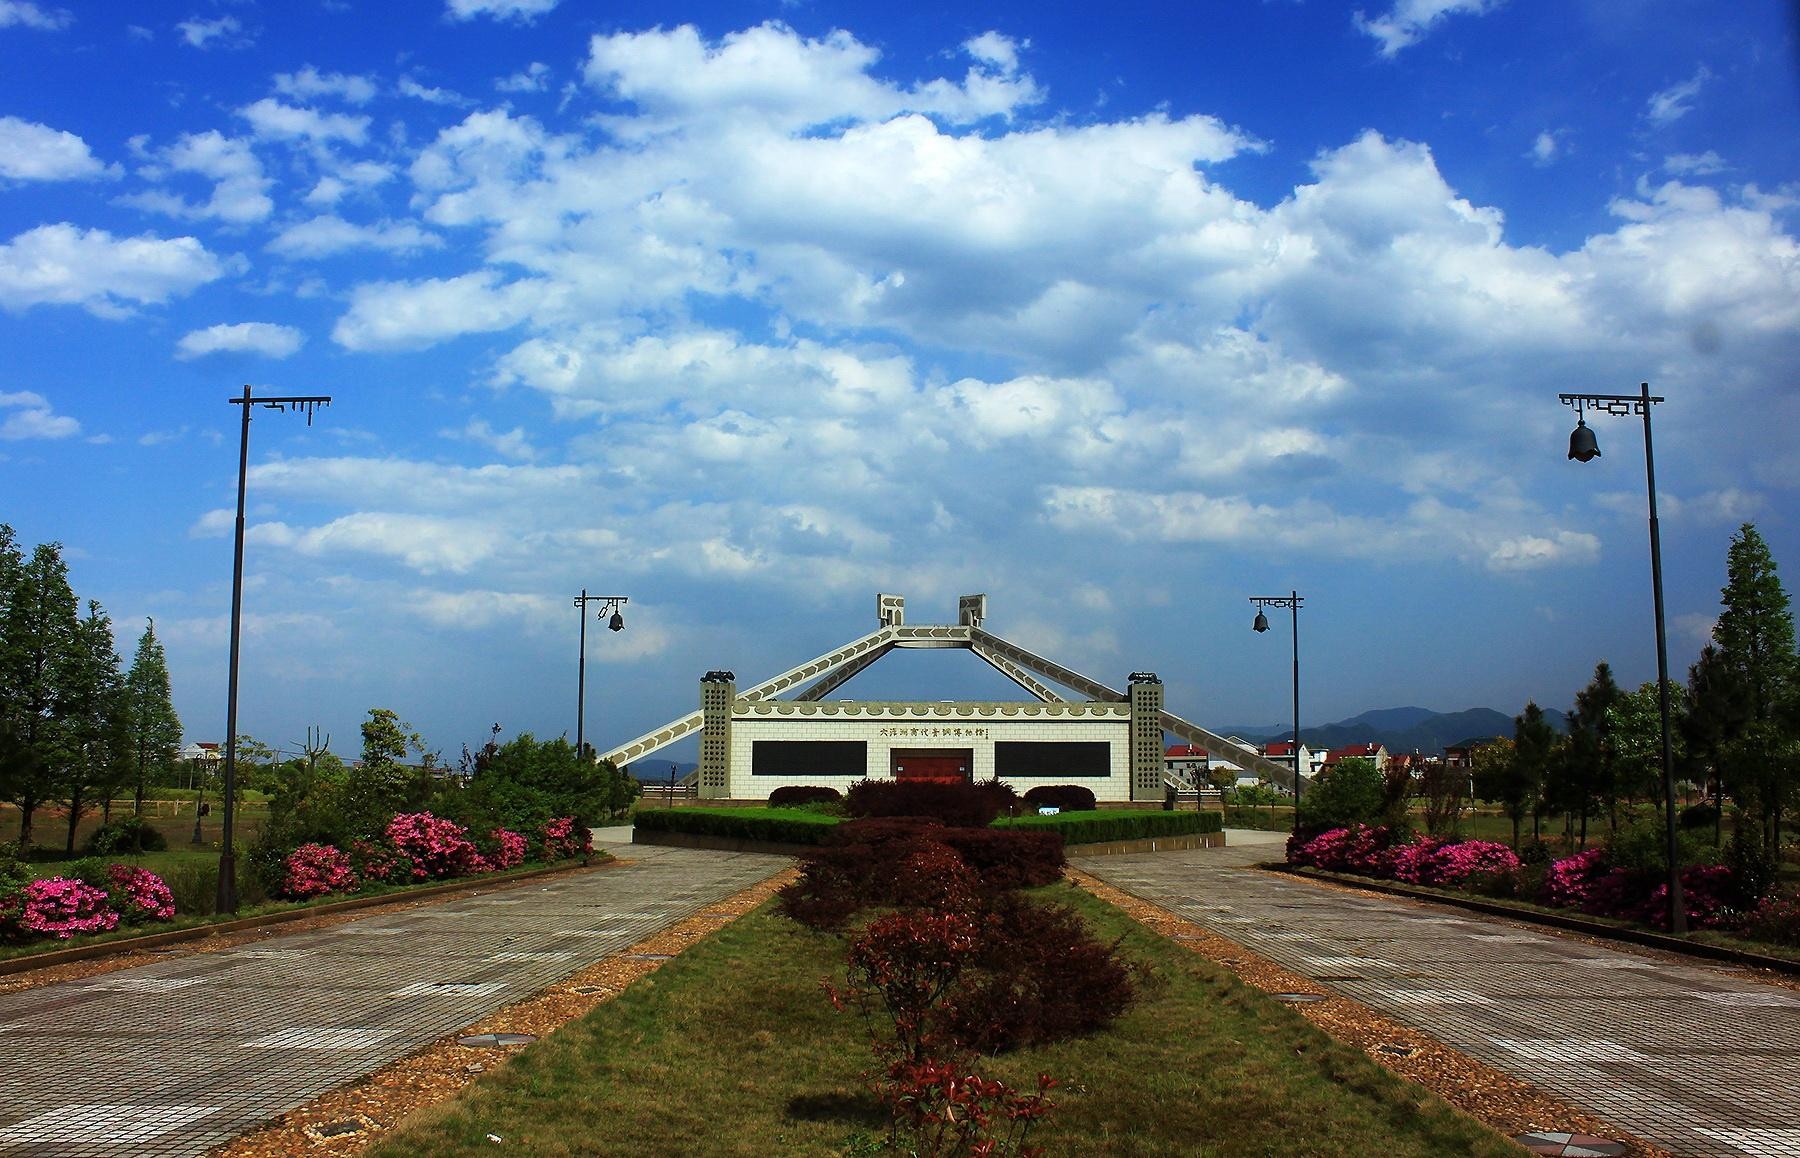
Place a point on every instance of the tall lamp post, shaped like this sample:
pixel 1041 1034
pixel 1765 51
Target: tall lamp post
pixel 1292 601
pixel 608 604
pixel 226 899
pixel 1584 447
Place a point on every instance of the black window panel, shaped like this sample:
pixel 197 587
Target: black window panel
pixel 809 758
pixel 1051 758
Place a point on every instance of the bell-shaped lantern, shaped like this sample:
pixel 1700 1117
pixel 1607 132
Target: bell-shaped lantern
pixel 618 622
pixel 1583 446
pixel 1261 624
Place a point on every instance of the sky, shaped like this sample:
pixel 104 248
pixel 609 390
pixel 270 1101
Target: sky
pixel 1120 314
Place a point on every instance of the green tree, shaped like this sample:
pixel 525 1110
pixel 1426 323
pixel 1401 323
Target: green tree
pixel 38 629
pixel 1635 723
pixel 1534 741
pixel 1351 793
pixel 155 728
pixel 91 758
pixel 1588 769
pixel 1501 776
pixel 1755 638
pixel 1714 711
pixel 383 784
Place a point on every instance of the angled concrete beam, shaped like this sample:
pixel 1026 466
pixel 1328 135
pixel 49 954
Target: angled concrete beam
pixel 843 675
pixel 1271 770
pixel 1017 675
pixel 1038 665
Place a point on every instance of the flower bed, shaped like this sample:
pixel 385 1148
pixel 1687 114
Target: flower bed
pixel 58 908
pixel 1587 881
pixel 417 846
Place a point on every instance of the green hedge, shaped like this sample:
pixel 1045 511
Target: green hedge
pixel 792 826
pixel 1090 827
pixel 779 825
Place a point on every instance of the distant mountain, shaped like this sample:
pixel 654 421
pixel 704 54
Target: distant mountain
pixel 657 771
pixel 1406 729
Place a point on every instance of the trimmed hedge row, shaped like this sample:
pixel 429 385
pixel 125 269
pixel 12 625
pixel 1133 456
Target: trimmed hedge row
pixel 1090 827
pixel 780 825
pixel 787 826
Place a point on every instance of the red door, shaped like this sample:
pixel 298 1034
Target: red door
pixel 938 767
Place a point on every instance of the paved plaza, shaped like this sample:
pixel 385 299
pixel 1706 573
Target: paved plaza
pixel 1699 1059
pixel 176 1057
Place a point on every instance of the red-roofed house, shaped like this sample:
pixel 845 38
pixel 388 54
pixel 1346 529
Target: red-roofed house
pixel 1370 751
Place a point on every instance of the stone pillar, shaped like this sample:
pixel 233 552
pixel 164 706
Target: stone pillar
pixel 718 691
pixel 1146 736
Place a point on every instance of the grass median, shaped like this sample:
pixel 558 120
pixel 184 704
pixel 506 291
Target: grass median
pixel 732 1048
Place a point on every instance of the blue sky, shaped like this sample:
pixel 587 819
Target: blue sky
pixel 1120 314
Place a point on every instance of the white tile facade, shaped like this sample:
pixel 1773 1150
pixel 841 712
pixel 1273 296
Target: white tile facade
pixel 972 725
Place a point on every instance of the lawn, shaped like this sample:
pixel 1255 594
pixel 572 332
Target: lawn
pixel 732 1048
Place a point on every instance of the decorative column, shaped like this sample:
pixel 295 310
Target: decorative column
pixel 1146 736
pixel 718 691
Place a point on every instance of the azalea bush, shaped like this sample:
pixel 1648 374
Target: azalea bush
pixel 140 895
pixel 439 849
pixel 313 870
pixel 563 839
pixel 62 907
pixel 508 851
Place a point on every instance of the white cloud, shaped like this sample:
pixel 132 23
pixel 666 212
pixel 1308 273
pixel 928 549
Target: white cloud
pixel 240 192
pixel 426 544
pixel 28 415
pixel 514 444
pixel 29 15
pixel 34 152
pixel 1545 149
pixel 1694 164
pixel 225 32
pixel 431 95
pixel 1410 21
pixel 1528 552
pixel 264 339
pixel 64 265
pixel 414 315
pixel 523 11
pixel 997 49
pixel 273 120
pixel 533 78
pixel 1677 101
pixel 327 235
pixel 309 83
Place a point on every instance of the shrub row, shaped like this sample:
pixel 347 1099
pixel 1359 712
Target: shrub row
pixel 93 898
pixel 1067 797
pixel 790 795
pixel 781 826
pixel 1089 827
pixel 417 846
pixel 1589 881
pixel 955 805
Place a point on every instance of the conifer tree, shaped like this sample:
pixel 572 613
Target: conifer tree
pixel 90 761
pixel 1755 637
pixel 155 728
pixel 39 625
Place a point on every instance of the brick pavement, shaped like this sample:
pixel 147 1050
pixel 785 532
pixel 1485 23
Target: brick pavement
pixel 1697 1058
pixel 176 1057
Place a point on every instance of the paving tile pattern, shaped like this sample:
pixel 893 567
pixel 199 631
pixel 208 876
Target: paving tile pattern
pixel 1698 1059
pixel 178 1056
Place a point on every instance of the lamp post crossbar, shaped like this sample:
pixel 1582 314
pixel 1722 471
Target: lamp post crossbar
pixel 1635 406
pixel 609 605
pixel 1292 601
pixel 225 899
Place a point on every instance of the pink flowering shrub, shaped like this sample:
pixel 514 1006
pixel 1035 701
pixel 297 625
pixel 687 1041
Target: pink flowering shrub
pixel 61 908
pixel 1775 919
pixel 509 849
pixel 438 848
pixel 1450 865
pixel 1709 894
pixel 140 895
pixel 316 869
pixel 378 862
pixel 1569 882
pixel 564 839
pixel 1358 849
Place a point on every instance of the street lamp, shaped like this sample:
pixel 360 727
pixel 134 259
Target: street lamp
pixel 1584 447
pixel 226 898
pixel 1292 601
pixel 609 603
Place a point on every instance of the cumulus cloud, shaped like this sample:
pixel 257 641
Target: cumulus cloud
pixel 64 265
pixel 514 444
pixel 414 315
pixel 225 32
pixel 1671 104
pixel 26 415
pixel 1528 552
pixel 1410 21
pixel 533 78
pixel 1545 149
pixel 1694 164
pixel 240 193
pixel 26 14
pixel 273 120
pixel 329 234
pixel 264 339
pixel 309 83
pixel 523 11
pixel 34 152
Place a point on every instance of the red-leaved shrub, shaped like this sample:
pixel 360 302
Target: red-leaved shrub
pixel 1066 797
pixel 789 795
pixel 1008 858
pixel 956 805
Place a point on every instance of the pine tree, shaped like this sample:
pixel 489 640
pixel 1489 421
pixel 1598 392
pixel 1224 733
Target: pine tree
pixel 89 762
pixel 1716 711
pixel 1755 637
pixel 38 631
pixel 155 728
pixel 1589 765
pixel 1533 739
